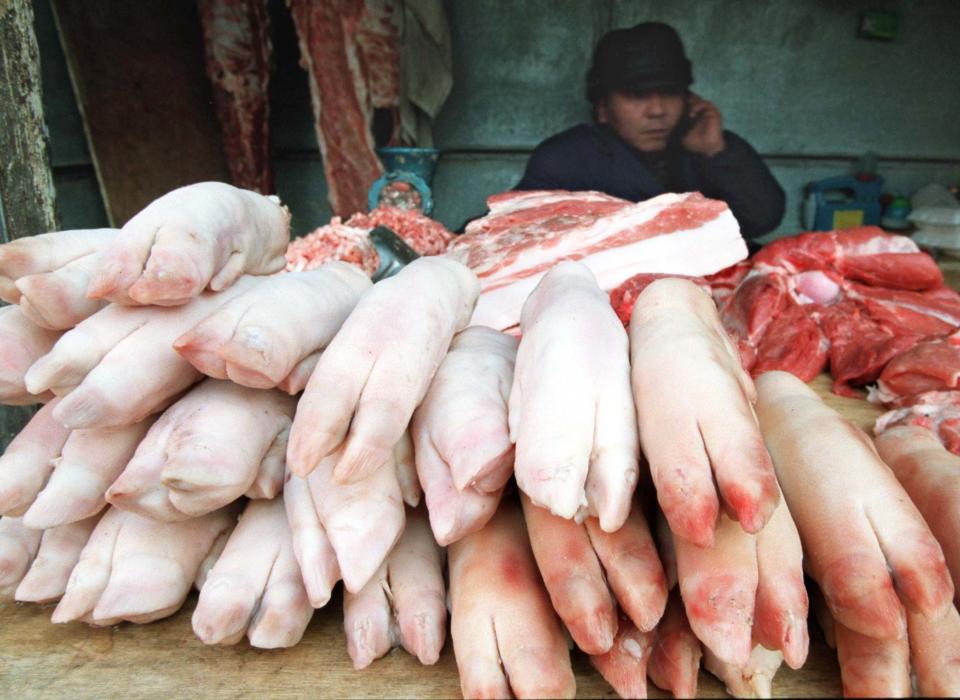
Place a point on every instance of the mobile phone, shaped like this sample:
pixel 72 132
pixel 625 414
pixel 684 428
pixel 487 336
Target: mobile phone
pixel 687 121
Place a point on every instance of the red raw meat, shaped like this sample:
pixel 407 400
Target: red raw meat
pixel 793 343
pixel 723 283
pixel 335 241
pixel 933 365
pixel 625 296
pixel 863 326
pixel 928 313
pixel 748 312
pixel 425 235
pixel 378 49
pixel 527 233
pixel 865 254
pixel 937 411
pixel 236 37
pixel 771 329
pixel 860 346
pixel 338 45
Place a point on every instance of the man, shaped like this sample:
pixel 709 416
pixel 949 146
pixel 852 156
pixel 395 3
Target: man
pixel 652 135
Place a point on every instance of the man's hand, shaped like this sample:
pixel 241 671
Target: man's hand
pixel 705 136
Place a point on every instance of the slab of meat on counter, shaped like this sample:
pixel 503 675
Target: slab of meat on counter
pixel 236 35
pixel 866 254
pixel 929 366
pixel 527 233
pixel 850 300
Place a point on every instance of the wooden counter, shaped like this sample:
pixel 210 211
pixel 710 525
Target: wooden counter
pixel 165 660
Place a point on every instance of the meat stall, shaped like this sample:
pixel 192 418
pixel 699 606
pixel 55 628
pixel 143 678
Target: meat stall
pixel 588 447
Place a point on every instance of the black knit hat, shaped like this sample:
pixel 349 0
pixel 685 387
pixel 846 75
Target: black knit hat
pixel 644 57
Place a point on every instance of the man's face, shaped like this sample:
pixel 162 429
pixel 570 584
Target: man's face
pixel 644 121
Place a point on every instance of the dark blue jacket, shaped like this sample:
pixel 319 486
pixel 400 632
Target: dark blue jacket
pixel 593 157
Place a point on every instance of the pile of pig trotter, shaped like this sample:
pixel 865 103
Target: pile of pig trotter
pixel 486 428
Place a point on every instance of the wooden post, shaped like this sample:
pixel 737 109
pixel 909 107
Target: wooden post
pixel 26 183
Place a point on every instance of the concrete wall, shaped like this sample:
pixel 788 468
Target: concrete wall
pixel 789 75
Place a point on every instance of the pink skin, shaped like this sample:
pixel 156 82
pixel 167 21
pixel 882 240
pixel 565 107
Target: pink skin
pixel 47 252
pixel 624 666
pixel 465 409
pixel 571 412
pixel 695 412
pixel 296 381
pixel 121 346
pixel 377 369
pixel 259 338
pixel 361 520
pixel 404 603
pixel 870 667
pixel 453 514
pixel 57 300
pixel 644 121
pixel 588 571
pixel 461 433
pixel 22 343
pixel 752 680
pixel 577 447
pixel 255 588
pixel 406 462
pixel 866 544
pixel 573 577
pixel 18 547
pixel 931 477
pixel 268 482
pixel 782 606
pixel 674 664
pixel 311 546
pixel 59 552
pixel 719 585
pixel 201 236
pixel 205 451
pixel 28 460
pixel 506 638
pixel 138 570
pixel 935 653
pixel 632 567
pixel 88 463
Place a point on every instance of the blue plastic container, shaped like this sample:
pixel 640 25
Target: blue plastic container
pixel 844 202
